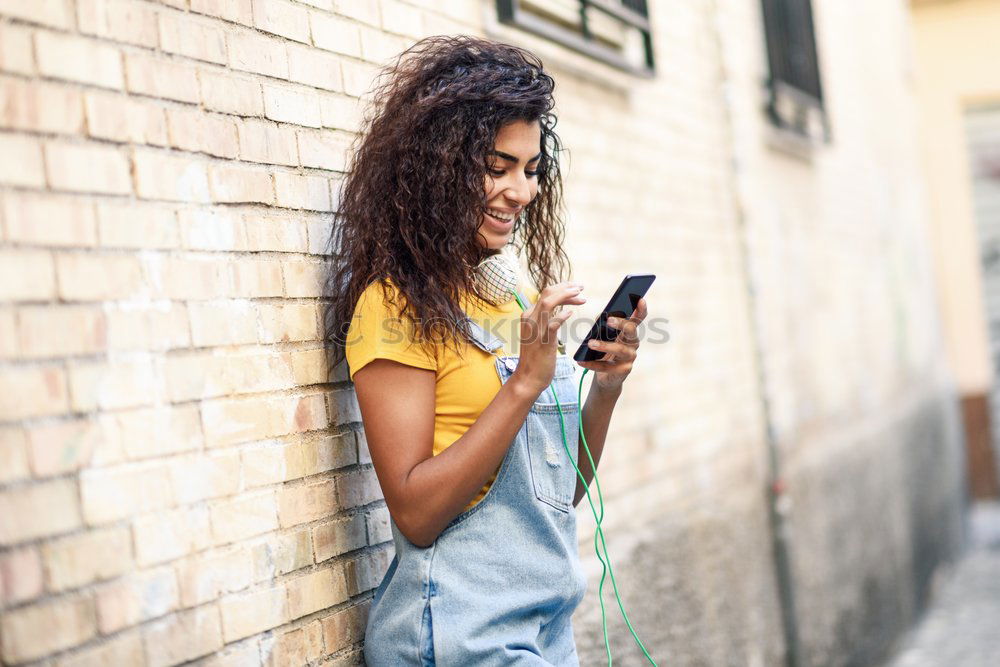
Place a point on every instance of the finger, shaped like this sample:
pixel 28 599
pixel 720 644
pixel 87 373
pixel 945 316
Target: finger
pixel 622 351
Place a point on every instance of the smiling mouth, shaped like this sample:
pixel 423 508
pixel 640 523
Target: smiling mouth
pixel 501 216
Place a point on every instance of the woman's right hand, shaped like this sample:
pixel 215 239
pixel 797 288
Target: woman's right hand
pixel 539 334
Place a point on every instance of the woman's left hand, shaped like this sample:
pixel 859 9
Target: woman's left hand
pixel 611 370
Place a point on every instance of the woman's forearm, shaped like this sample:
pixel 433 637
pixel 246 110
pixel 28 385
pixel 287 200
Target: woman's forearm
pixel 440 487
pixel 596 417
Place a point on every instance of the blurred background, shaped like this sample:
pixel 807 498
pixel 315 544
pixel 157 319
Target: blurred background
pixel 803 472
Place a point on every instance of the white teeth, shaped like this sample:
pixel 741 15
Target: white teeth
pixel 500 216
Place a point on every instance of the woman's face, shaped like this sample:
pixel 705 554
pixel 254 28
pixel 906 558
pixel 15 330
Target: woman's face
pixel 511 180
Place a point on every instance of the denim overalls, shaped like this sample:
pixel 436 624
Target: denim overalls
pixel 499 585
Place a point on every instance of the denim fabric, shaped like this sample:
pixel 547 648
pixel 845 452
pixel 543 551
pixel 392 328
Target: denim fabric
pixel 501 582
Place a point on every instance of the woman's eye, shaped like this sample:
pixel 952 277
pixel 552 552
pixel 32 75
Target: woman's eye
pixel 533 173
pixel 497 172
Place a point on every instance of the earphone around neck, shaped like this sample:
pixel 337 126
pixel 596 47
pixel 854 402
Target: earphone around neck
pixel 498 279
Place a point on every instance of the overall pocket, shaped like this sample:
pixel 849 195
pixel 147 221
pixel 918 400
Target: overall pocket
pixel 553 476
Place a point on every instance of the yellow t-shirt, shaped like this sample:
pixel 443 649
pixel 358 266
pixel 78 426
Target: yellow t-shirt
pixel 463 388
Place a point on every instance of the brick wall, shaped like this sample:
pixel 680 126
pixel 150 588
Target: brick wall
pixel 178 478
pixel 180 481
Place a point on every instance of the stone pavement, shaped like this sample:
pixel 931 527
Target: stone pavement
pixel 961 628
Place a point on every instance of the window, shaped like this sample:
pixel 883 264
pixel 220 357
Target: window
pixel 613 31
pixel 795 100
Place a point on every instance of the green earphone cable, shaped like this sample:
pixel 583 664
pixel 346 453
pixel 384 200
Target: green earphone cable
pixel 599 533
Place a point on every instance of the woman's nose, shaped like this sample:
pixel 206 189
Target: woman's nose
pixel 520 192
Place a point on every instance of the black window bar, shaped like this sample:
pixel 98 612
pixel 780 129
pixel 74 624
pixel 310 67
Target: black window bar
pixel 795 100
pixel 581 33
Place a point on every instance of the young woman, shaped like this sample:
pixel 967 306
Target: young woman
pixel 459 160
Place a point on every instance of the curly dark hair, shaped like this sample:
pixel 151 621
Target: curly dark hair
pixel 414 197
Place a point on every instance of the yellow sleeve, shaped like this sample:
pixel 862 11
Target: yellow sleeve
pixel 378 331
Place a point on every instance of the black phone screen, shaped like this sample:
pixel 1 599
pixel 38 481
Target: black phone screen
pixel 622 304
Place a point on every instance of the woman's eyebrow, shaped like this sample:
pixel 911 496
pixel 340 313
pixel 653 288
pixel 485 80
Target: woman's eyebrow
pixel 511 158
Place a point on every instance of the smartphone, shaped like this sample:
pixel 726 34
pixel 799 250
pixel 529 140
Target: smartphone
pixel 632 288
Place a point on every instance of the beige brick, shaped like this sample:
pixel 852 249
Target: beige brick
pixel 84 558
pixel 16 54
pixel 333 33
pixel 98 276
pixel 324 149
pixel 256 278
pixel 345 627
pixel 113 494
pixel 156 77
pixel 169 328
pixel 22 164
pixel 192 38
pixel 344 404
pixel 310 367
pixel 252 52
pixel 26 275
pixel 238 11
pixel 268 463
pixel 379 529
pixel 230 184
pixel 302 192
pixel 125 119
pixel 365 572
pixel 357 488
pixel 298 647
pixel 246 652
pixel 57 448
pixel 137 598
pixel 167 536
pixel 380 47
pixel 338 537
pixel 242 420
pixel 206 576
pixel 303 278
pixel 135 225
pixel 124 649
pixel 366 11
pixel 160 431
pixel 223 323
pixel 225 92
pixel 9 348
pixel 276 554
pixel 21 577
pixel 41 629
pixel 402 19
pixel 249 613
pixel 314 68
pixel 79 59
pixel 55 330
pixel 190 278
pixel 196 131
pixel 118 20
pixel 358 77
pixel 341 112
pixel 123 383
pixel 87 168
pixel 169 177
pixel 202 476
pixel 264 141
pixel 288 105
pixel 317 590
pixel 49 220
pixel 280 17
pixel 319 4
pixel 183 636
pixel 54 13
pixel 32 391
pixel 38 510
pixel 284 323
pixel 320 230
pixel 307 502
pixel 277 233
pixel 237 519
pixel 215 228
pixel 330 452
pixel 41 107
pixel 13 454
